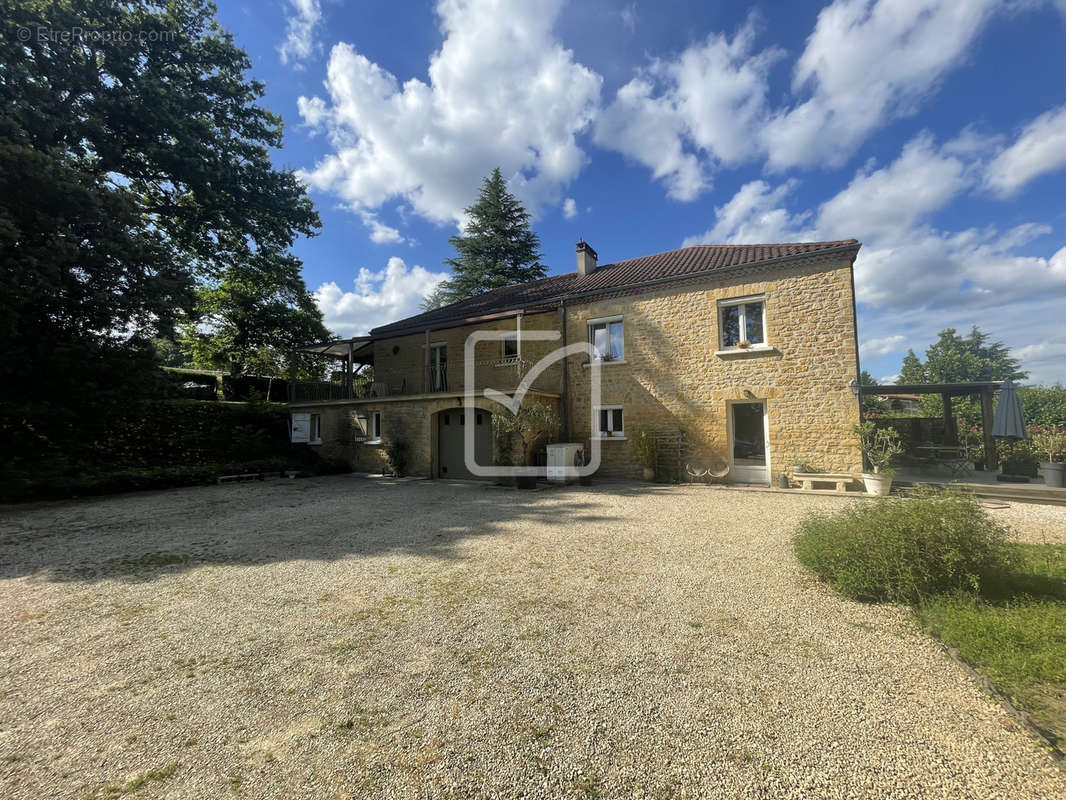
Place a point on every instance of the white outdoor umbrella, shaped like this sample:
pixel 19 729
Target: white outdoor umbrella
pixel 1009 422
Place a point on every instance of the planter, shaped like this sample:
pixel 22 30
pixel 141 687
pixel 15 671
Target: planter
pixel 877 484
pixel 649 474
pixel 1054 474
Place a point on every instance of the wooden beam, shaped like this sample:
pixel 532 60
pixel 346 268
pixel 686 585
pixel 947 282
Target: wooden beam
pixel 951 433
pixel 986 428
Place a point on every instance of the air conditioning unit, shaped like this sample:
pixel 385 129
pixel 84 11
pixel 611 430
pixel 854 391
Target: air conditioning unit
pixel 563 460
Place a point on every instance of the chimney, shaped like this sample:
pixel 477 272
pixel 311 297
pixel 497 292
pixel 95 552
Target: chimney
pixel 586 259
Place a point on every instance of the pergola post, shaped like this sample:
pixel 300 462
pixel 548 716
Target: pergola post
pixel 986 430
pixel 348 372
pixel 427 385
pixel 951 433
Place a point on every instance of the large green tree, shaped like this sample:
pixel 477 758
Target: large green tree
pixel 956 359
pixel 497 247
pixel 249 321
pixel 960 359
pixel 135 166
pixel 134 169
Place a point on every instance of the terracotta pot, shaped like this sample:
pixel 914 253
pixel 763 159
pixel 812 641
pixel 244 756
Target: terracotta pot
pixel 649 474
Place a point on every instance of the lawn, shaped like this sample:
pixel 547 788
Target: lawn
pixel 1014 632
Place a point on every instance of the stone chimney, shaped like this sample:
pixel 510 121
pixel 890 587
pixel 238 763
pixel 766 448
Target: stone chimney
pixel 586 259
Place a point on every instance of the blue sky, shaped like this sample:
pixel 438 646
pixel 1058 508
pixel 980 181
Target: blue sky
pixel 935 133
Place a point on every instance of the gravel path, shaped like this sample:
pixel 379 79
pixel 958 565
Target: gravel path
pixel 343 637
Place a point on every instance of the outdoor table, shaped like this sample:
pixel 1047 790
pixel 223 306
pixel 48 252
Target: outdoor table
pixel 948 455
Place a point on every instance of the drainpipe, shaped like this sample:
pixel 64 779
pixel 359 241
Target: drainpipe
pixel 564 394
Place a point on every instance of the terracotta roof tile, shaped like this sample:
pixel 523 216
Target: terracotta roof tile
pixel 675 264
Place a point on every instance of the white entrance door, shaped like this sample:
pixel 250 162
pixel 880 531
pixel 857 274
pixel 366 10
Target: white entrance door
pixel 748 437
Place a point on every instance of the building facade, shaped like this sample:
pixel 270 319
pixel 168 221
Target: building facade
pixel 747 354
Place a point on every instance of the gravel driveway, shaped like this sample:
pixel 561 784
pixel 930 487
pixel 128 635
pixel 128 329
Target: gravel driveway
pixel 346 637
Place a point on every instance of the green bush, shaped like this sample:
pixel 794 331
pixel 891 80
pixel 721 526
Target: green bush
pixel 904 550
pixel 398 454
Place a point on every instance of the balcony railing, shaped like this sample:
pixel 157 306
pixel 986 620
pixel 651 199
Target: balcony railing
pixel 504 374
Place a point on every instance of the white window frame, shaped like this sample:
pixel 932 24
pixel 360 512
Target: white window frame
pixel 511 337
pixel 375 428
pixel 611 434
pixel 606 322
pixel 742 302
pixel 315 430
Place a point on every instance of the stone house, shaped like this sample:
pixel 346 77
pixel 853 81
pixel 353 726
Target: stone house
pixel 748 350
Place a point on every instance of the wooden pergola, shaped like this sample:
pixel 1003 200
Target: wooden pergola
pixel 984 389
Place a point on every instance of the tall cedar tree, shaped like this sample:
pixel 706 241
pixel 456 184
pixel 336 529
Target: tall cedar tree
pixel 960 359
pixel 498 248
pixel 133 169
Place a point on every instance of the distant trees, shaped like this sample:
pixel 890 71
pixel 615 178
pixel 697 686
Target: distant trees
pixel 497 247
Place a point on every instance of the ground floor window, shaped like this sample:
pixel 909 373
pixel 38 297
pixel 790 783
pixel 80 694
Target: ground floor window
pixel 375 426
pixel 610 422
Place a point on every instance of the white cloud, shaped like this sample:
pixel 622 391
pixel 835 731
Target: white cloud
pixel 905 263
pixel 889 201
pixel 1040 148
pixel 502 92
pixel 569 208
pixel 875 348
pixel 755 215
pixel 377 297
pixel 681 117
pixel 380 233
pixel 299 42
pixel 867 62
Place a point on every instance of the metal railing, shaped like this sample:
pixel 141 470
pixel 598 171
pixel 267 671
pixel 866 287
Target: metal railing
pixel 507 371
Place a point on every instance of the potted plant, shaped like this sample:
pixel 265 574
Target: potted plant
pixel 743 344
pixel 534 424
pixel 646 449
pixel 1053 445
pixel 879 446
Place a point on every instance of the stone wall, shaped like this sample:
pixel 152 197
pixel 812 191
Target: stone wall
pixel 414 420
pixel 399 362
pixel 674 374
pixel 674 377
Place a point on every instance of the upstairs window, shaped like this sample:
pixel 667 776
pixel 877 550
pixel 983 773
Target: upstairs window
pixel 742 322
pixel 605 336
pixel 510 347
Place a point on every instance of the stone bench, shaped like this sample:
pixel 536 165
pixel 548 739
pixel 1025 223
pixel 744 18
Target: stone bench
pixel 806 480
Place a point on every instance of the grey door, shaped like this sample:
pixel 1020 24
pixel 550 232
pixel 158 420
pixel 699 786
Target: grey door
pixel 451 428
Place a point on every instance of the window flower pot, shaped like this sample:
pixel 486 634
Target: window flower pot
pixel 1054 474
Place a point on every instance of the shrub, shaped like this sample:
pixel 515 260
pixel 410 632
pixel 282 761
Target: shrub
pixel 645 446
pixel 398 454
pixel 903 550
